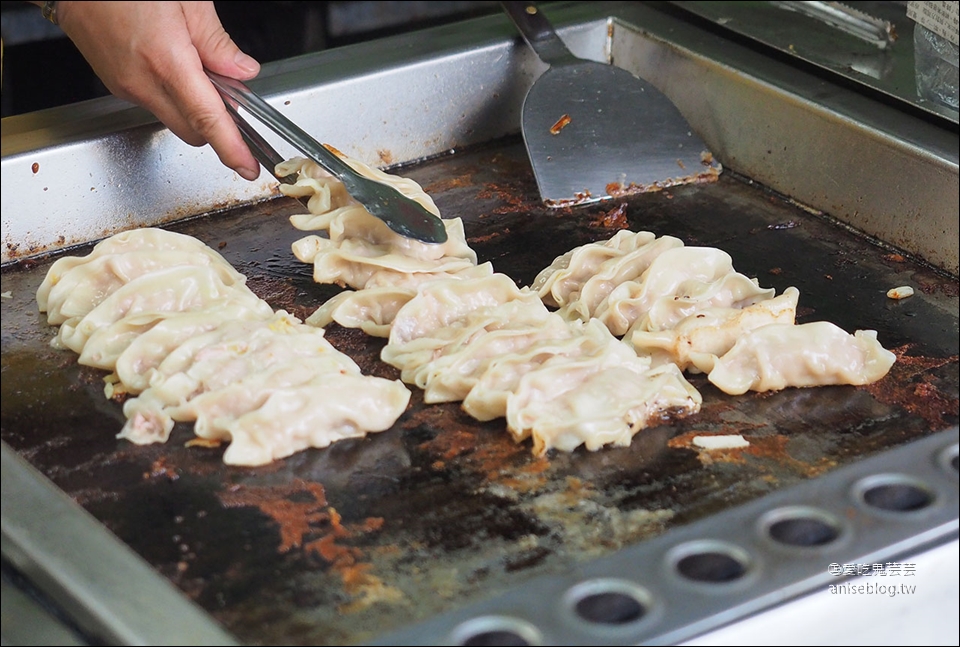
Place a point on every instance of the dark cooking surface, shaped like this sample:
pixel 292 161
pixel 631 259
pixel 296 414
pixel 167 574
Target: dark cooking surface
pixel 339 545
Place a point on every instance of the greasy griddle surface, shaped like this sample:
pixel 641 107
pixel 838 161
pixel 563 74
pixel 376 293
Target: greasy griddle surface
pixel 338 545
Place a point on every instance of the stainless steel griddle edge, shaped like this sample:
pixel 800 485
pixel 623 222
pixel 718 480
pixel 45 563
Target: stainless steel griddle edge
pixel 678 602
pixel 108 590
pixel 464 85
pixel 111 592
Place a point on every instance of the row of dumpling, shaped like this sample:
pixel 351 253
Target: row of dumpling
pixel 499 350
pixel 360 252
pixel 674 305
pixel 179 328
pixel 463 333
pixel 688 306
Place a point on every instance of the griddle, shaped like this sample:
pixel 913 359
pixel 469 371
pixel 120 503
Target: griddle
pixel 341 545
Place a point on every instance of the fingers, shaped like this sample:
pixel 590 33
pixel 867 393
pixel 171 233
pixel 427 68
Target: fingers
pixel 153 53
pixel 197 115
pixel 216 49
pixel 192 108
pixel 217 52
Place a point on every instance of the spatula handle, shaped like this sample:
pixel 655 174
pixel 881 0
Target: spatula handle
pixel 538 32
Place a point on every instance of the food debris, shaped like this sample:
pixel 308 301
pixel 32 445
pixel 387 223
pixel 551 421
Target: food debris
pixel 913 389
pixel 902 292
pixel 732 441
pixel 202 442
pixel 562 123
pixel 161 468
pixel 113 389
pixel 616 218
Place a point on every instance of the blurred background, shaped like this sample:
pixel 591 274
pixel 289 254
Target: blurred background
pixel 42 68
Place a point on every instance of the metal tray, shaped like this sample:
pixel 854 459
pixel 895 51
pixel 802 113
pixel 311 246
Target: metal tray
pixel 442 520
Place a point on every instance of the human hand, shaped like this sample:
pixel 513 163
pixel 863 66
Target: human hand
pixel 154 54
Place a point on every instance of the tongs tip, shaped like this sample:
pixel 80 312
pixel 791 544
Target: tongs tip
pixel 402 214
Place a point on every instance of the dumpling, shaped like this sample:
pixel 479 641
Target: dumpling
pixel 216 360
pixel 144 239
pixel 561 282
pixel 596 400
pixel 711 330
pixel 372 310
pixel 358 264
pixel 178 326
pixel 415 358
pixel 314 414
pixel 327 193
pixel 144 353
pixel 174 289
pixel 507 330
pixel 500 350
pixel 75 285
pixel 629 267
pixel 360 250
pixel 778 356
pixel 440 303
pixel 487 399
pixel 637 281
pixel 688 277
pixel 356 250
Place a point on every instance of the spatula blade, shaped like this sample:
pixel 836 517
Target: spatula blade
pixel 596 131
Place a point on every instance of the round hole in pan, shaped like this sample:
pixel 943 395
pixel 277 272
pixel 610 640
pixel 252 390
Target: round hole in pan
pixel 609 602
pixel 495 631
pixel 894 493
pixel 711 562
pixel 611 608
pixel 950 459
pixel 801 526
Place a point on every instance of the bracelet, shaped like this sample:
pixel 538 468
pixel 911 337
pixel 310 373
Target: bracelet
pixel 49 11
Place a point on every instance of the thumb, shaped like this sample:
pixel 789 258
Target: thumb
pixel 216 49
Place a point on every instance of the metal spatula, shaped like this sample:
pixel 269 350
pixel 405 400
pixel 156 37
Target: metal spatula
pixel 595 131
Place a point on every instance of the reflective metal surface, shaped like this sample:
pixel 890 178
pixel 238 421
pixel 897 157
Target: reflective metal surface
pixel 883 60
pixel 106 588
pixel 86 171
pixel 706 574
pixel 594 131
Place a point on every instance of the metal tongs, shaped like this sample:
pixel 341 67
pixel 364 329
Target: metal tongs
pixel 403 215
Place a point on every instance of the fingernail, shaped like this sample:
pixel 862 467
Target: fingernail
pixel 248 173
pixel 246 63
